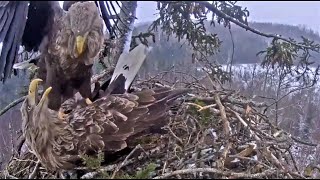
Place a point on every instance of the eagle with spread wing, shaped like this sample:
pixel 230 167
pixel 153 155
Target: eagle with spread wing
pixel 104 125
pixel 68 41
pixel 28 23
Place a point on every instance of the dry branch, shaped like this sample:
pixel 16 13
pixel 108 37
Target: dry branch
pixel 216 171
pixel 11 105
pixel 226 124
pixel 196 145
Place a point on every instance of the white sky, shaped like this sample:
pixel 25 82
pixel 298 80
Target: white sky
pixel 286 12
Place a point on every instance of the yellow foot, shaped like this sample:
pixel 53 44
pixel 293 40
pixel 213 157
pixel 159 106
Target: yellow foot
pixel 62 115
pixel 88 101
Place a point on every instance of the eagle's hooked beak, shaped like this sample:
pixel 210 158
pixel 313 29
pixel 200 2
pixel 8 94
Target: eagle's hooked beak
pixel 80 44
pixel 45 96
pixel 33 90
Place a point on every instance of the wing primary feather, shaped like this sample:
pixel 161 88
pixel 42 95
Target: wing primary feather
pixel 39 23
pixel 10 10
pixel 4 16
pixel 15 23
pixel 18 32
pixel 4 36
pixel 157 110
pixel 4 3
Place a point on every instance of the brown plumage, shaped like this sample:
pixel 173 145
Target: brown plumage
pixel 104 125
pixel 27 24
pixel 68 53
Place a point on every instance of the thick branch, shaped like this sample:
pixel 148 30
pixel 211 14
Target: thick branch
pixel 216 171
pixel 11 105
pixel 226 124
pixel 303 142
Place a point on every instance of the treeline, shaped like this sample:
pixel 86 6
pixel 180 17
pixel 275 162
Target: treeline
pixel 238 45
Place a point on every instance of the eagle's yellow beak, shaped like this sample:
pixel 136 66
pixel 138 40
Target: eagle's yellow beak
pixel 45 96
pixel 33 90
pixel 46 93
pixel 33 87
pixel 80 44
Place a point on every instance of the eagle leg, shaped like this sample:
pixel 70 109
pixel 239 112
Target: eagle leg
pixel 85 90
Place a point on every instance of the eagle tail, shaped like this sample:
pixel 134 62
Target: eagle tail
pixel 128 66
pixel 26 64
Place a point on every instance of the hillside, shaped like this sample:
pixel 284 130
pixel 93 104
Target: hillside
pixel 246 44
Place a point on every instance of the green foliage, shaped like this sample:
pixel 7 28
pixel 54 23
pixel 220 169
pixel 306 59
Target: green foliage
pixel 144 140
pixel 231 9
pixel 175 18
pixel 142 174
pixel 187 21
pixel 204 116
pixel 93 162
pixel 104 175
pixel 146 172
pixel 281 53
pixel 292 59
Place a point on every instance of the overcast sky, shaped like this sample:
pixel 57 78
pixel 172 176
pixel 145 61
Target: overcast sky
pixel 286 12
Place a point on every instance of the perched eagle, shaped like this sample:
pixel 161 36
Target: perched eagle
pixel 69 52
pixel 104 125
pixel 27 23
pixel 72 42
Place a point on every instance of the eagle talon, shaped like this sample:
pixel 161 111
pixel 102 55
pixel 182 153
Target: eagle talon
pixel 88 101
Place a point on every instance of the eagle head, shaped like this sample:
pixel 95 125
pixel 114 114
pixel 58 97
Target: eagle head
pixel 85 24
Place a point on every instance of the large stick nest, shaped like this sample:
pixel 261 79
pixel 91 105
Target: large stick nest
pixel 212 134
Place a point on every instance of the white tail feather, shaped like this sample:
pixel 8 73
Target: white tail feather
pixel 130 63
pixel 23 65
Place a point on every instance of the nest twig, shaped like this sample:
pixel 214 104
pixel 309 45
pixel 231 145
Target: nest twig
pixel 212 134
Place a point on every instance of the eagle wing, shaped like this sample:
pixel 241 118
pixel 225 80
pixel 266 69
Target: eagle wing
pixel 111 120
pixel 107 123
pixel 12 26
pixel 27 23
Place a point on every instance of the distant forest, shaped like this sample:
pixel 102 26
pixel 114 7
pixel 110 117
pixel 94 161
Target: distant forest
pixel 246 44
pixel 167 53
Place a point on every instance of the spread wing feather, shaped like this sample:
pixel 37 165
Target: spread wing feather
pixel 109 121
pixel 27 23
pixel 12 26
pixel 16 29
